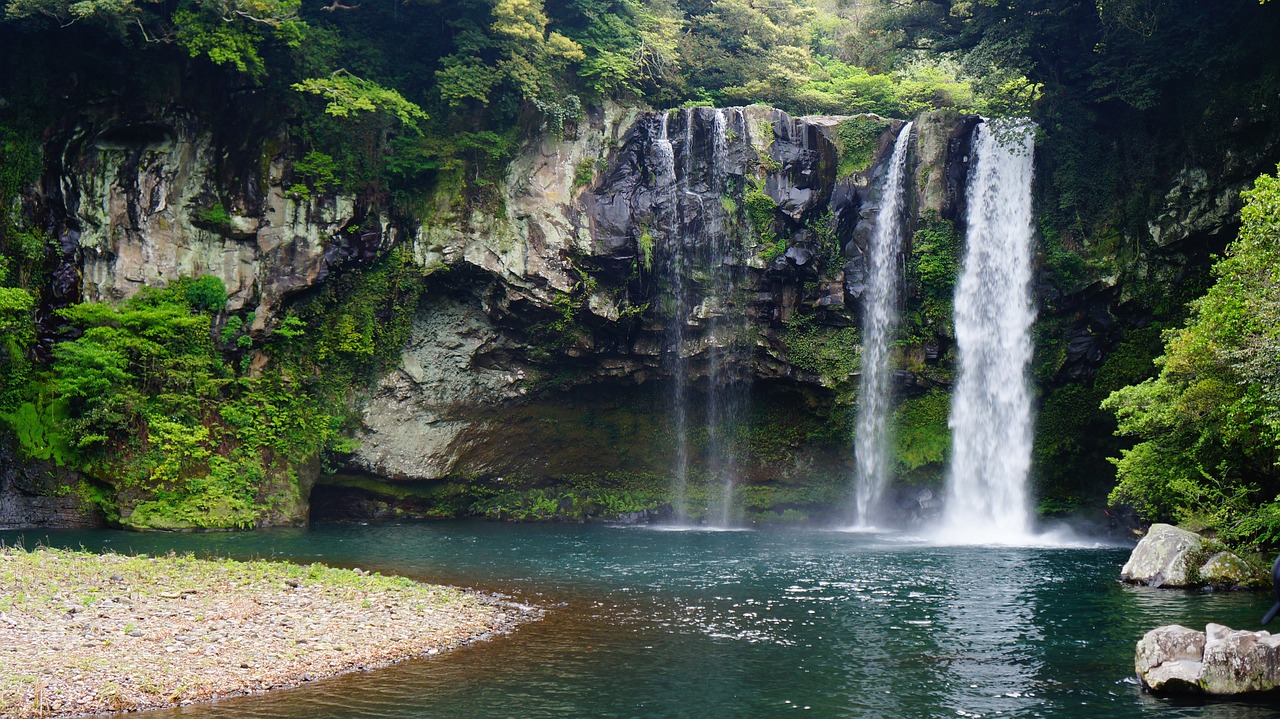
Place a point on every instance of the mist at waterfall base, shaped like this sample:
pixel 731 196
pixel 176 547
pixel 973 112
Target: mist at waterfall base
pixel 758 624
pixel 880 320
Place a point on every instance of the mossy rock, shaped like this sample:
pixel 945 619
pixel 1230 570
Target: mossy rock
pixel 1225 569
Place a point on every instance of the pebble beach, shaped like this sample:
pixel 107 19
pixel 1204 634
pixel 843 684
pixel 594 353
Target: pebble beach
pixel 84 633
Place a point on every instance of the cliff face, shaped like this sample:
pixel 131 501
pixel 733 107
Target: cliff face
pixel 627 272
pixel 725 244
pixel 141 202
pixel 38 494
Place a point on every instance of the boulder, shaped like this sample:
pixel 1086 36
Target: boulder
pixel 1236 662
pixel 1168 659
pixel 1162 558
pixel 1219 661
pixel 1225 569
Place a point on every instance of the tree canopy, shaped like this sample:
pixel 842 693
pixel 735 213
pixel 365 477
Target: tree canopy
pixel 1209 423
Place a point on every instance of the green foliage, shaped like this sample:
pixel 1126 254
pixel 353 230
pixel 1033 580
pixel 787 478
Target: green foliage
pixel 761 210
pixel 645 244
pixel 924 83
pixel 921 437
pixel 19 165
pixel 834 354
pixel 1070 269
pixel 773 247
pixel 113 13
pixel 354 324
pixel 857 138
pixel 37 430
pixel 215 215
pixel 145 398
pixel 585 172
pixel 561 330
pixel 823 228
pixel 315 172
pixel 1208 424
pixel 17 337
pixel 349 96
pixel 932 269
pixel 540 505
pixel 1133 360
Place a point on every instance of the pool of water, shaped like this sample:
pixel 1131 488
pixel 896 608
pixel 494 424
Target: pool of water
pixel 769 623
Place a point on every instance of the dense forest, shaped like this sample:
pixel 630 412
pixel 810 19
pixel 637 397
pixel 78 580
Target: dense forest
pixel 1155 348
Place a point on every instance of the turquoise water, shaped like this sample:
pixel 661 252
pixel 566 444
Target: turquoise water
pixel 770 623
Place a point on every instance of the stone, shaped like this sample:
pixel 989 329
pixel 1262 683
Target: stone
pixel 1225 569
pixel 1174 659
pixel 1240 661
pixel 1170 643
pixel 1194 204
pixel 34 494
pixel 1162 558
pixel 943 147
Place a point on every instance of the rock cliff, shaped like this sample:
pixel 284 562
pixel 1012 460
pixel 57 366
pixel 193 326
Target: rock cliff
pixel 637 252
pixel 632 225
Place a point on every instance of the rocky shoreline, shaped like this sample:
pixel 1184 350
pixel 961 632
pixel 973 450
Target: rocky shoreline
pixel 82 633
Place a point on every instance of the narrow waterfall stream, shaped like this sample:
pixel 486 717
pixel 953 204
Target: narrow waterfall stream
pixel 881 315
pixel 695 233
pixel 663 160
pixel 991 406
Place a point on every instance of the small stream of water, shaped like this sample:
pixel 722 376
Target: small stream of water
pixel 880 319
pixel 697 156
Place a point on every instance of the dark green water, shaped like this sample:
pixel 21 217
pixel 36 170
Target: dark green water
pixel 645 623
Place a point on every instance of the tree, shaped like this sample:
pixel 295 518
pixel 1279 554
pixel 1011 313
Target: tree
pixel 1209 423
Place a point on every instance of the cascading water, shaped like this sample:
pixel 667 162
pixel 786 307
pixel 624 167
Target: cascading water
pixel 880 319
pixel 697 276
pixel 991 406
pixel 663 162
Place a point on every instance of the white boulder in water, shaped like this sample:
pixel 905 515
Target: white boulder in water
pixel 1220 661
pixel 1163 557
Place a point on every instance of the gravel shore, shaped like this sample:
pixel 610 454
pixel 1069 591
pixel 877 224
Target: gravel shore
pixel 85 633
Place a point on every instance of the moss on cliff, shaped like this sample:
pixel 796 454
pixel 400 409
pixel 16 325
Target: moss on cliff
pixel 832 353
pixel 922 438
pixel 857 139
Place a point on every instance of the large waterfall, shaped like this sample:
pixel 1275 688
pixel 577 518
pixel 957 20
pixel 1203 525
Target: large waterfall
pixel 880 319
pixel 694 250
pixel 991 406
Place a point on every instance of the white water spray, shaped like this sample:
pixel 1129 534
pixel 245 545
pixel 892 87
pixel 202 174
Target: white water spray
pixel 881 313
pixel 991 407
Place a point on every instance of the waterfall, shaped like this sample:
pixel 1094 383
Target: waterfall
pixel 991 406
pixel 879 321
pixel 726 393
pixel 663 161
pixel 698 282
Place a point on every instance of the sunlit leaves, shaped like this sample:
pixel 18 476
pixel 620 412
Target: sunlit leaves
pixel 350 96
